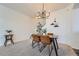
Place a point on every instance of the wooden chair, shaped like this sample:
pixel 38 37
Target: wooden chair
pixel 51 35
pixel 35 39
pixel 55 43
pixel 45 40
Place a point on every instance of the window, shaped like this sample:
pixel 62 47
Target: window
pixel 76 20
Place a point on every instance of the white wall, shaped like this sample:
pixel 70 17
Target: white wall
pixel 20 24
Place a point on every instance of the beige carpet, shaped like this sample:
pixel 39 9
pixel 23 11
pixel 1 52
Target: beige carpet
pixel 24 48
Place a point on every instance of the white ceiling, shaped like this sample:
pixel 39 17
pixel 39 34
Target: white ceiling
pixel 30 9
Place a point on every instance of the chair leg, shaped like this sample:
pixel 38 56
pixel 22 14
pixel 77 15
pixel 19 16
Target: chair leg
pixel 32 44
pixel 38 46
pixel 42 47
pixel 49 49
pixel 57 44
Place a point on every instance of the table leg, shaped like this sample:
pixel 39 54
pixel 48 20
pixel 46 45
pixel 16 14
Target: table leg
pixel 5 43
pixel 55 47
pixel 12 41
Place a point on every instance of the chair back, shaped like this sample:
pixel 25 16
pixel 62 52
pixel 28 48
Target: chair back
pixel 35 38
pixel 45 39
pixel 49 33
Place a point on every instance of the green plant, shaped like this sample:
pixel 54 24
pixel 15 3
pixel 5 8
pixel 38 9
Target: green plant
pixel 39 28
pixel 44 30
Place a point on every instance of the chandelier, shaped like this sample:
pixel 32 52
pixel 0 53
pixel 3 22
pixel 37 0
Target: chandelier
pixel 43 14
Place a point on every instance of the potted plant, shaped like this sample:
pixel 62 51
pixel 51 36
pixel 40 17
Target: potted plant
pixel 44 31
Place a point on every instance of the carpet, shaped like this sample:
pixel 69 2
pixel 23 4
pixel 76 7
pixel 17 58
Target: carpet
pixel 24 48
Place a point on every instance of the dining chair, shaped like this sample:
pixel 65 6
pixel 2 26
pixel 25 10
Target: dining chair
pixel 49 33
pixel 45 40
pixel 52 35
pixel 54 41
pixel 35 39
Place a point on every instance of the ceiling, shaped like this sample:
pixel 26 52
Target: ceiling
pixel 30 9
